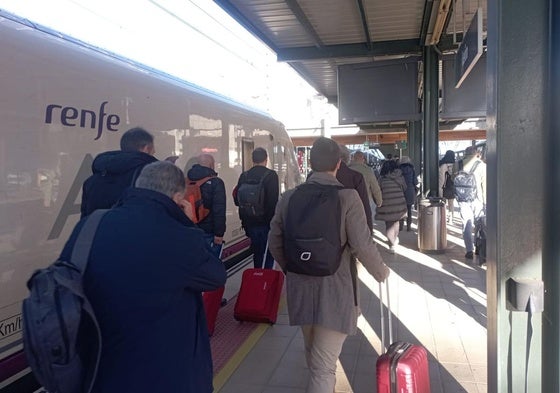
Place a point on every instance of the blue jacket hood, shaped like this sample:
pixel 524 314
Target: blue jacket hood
pixel 117 162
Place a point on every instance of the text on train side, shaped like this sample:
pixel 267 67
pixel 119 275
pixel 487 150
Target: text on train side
pixel 72 117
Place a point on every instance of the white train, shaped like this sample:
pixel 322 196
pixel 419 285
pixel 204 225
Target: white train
pixel 61 103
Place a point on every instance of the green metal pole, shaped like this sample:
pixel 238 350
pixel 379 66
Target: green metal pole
pixel 518 143
pixel 415 144
pixel 551 246
pixel 430 107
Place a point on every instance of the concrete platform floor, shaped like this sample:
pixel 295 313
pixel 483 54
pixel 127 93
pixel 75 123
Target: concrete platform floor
pixel 437 300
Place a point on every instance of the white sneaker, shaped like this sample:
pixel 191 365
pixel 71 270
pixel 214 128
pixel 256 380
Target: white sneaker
pixel 391 249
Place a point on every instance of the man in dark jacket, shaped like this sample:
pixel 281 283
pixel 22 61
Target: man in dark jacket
pixel 409 175
pixel 148 266
pixel 355 180
pixel 114 171
pixel 214 199
pixel 257 225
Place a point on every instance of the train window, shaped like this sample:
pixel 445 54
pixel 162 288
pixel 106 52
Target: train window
pixel 204 126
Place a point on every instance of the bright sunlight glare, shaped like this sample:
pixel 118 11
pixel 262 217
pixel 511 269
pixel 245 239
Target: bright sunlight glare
pixel 194 40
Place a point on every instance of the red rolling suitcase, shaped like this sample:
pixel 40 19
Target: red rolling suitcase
pixel 212 301
pixel 259 295
pixel 403 368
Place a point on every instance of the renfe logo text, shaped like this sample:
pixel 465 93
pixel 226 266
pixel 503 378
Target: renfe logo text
pixel 72 117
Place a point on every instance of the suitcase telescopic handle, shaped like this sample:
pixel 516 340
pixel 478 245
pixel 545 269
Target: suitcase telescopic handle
pixel 264 256
pixel 384 345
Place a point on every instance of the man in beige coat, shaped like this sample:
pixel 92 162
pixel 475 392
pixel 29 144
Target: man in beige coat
pixel 372 185
pixel 326 307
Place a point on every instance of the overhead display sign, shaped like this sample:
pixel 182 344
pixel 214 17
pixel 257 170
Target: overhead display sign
pixel 470 49
pixel 380 91
pixel 469 100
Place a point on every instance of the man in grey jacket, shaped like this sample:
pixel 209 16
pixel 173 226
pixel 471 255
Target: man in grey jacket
pixel 325 306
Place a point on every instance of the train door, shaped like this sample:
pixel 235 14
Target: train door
pixel 247 147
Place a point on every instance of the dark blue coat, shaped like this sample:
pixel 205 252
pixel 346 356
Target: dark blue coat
pixel 147 268
pixel 214 199
pixel 410 179
pixel 113 172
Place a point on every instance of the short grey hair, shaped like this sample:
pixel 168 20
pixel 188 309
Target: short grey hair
pixel 163 177
pixel 344 153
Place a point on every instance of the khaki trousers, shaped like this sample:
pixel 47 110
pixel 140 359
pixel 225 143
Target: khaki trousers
pixel 322 348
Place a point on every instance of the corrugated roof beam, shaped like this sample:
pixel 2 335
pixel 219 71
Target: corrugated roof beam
pixel 305 23
pixel 380 48
pixel 245 22
pixel 364 22
pixel 300 69
pixel 308 27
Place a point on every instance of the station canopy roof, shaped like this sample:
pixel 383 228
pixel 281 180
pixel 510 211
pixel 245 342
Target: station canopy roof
pixel 317 36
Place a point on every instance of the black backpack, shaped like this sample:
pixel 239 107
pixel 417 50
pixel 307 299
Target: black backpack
pixel 312 230
pixel 448 186
pixel 56 317
pixel 465 185
pixel 251 197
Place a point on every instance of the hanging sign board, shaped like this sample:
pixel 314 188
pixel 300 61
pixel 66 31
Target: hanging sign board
pixel 470 49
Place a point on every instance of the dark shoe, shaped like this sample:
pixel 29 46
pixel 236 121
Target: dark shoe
pixel 408 228
pixel 469 255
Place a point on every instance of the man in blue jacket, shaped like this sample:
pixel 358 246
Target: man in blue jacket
pixel 213 193
pixel 115 171
pixel 148 266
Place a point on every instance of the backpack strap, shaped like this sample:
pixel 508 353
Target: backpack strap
pixel 267 173
pixel 261 180
pixel 79 258
pixel 82 246
pixel 136 174
pixel 200 181
pixel 473 168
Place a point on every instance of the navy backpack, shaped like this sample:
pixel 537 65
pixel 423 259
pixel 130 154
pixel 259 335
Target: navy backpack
pixel 56 314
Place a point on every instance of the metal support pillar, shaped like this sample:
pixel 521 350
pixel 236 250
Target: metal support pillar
pixel 414 136
pixel 517 72
pixel 430 105
pixel 551 246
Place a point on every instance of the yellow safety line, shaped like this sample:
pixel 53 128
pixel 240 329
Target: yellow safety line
pixel 221 378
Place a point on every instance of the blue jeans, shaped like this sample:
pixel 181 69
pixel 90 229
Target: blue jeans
pixel 259 238
pixel 215 248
